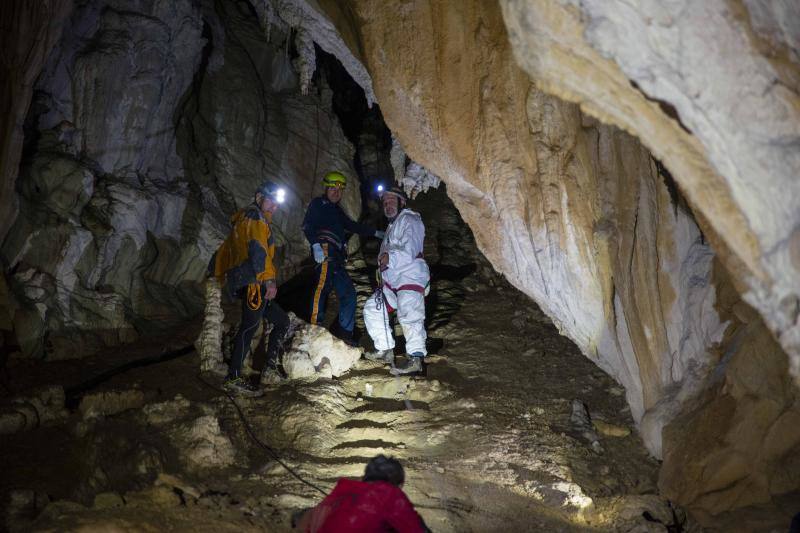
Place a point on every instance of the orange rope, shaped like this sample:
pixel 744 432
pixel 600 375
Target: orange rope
pixel 254 296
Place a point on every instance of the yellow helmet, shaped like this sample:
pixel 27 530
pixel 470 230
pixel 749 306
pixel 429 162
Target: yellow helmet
pixel 335 179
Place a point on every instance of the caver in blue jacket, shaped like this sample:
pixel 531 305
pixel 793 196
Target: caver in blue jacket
pixel 328 225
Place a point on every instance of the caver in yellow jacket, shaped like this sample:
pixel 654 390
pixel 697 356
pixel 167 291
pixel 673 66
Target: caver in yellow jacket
pixel 245 257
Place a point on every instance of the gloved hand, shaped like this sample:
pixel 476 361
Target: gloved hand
pixel 319 254
pixel 271 289
pixel 380 234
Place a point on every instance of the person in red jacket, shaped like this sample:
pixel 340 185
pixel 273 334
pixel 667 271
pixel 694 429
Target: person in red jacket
pixel 375 504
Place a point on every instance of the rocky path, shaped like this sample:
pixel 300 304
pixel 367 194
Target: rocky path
pixel 492 439
pixel 488 438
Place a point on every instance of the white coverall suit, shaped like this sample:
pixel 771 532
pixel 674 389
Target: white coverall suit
pixel 405 280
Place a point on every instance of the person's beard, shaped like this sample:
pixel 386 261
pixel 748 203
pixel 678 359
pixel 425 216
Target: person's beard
pixel 391 212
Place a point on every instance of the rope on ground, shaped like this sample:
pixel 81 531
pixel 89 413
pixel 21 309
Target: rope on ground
pixel 74 394
pixel 255 438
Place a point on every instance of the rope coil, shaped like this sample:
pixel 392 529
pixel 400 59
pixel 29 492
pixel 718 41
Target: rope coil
pixel 254 296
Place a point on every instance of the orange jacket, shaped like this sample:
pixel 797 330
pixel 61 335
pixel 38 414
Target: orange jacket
pixel 246 255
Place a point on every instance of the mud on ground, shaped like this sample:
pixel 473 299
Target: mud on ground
pixel 490 438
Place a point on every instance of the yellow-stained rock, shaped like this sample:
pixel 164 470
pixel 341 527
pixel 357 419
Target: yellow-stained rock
pixel 611 430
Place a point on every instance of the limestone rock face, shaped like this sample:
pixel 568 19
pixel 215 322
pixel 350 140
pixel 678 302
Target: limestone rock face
pixel 315 353
pixel 203 445
pixel 580 215
pixel 29 32
pixel 573 212
pixel 739 440
pixel 150 126
pixel 712 91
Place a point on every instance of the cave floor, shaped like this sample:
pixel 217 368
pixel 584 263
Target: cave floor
pixel 486 438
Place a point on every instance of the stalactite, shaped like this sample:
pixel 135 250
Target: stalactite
pixel 398 160
pixel 306 62
pixel 267 16
pixel 418 179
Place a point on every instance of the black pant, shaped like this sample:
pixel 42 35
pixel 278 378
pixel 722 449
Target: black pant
pixel 272 313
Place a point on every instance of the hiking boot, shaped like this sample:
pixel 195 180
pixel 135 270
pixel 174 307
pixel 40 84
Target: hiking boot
pixel 414 365
pixel 239 386
pixel 383 356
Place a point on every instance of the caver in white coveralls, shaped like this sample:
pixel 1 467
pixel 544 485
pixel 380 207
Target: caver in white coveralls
pixel 405 280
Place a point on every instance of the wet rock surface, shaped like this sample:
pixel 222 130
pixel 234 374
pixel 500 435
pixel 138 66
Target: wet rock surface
pixel 150 125
pixel 573 212
pixel 712 92
pixel 486 437
pixel 616 238
pixel 315 353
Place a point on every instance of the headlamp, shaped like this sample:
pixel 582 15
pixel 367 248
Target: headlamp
pixel 280 195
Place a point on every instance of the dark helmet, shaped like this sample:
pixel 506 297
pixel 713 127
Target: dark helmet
pixel 382 468
pixel 396 191
pixel 272 191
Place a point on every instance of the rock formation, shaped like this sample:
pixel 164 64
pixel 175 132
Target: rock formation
pixel 147 130
pixel 315 353
pixel 586 223
pixel 209 343
pixel 631 166
pixel 29 31
pixel 712 91
pixel 579 214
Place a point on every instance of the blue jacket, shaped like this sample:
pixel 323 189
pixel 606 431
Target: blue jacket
pixel 327 223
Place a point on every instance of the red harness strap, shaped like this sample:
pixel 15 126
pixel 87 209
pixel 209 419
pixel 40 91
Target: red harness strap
pixel 407 287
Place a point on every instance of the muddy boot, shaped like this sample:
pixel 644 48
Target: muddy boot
pixel 239 386
pixel 414 365
pixel 383 356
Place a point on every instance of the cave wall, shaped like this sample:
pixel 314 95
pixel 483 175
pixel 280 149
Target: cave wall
pixel 573 212
pixel 151 123
pixel 28 30
pixel 737 442
pixel 713 90
pixel 581 217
